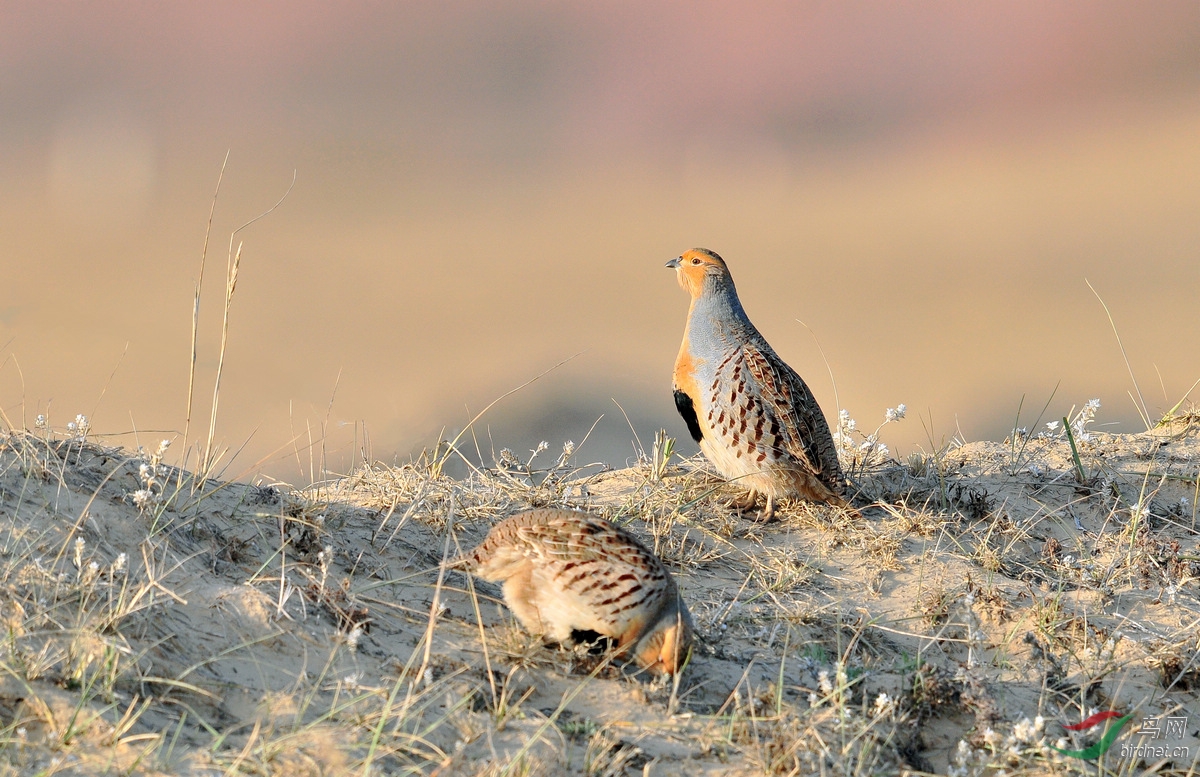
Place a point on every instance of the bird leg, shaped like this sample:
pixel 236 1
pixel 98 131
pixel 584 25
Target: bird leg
pixel 768 511
pixel 744 502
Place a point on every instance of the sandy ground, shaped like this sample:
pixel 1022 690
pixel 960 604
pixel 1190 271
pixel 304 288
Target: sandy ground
pixel 990 593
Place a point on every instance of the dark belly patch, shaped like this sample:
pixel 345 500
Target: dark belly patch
pixel 683 403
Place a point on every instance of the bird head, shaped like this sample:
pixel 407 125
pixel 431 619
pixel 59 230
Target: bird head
pixel 667 648
pixel 698 269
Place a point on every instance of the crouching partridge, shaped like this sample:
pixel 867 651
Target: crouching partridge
pixel 564 571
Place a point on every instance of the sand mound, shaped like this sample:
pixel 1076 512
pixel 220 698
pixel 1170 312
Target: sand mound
pixel 155 623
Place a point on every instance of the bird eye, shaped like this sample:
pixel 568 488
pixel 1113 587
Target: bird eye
pixel 695 260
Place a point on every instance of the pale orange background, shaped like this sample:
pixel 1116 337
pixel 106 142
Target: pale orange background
pixel 485 189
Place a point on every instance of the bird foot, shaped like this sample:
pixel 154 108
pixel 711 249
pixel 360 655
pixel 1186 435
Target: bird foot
pixel 742 503
pixel 747 502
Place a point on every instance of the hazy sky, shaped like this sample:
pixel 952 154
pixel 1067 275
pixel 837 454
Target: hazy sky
pixel 485 189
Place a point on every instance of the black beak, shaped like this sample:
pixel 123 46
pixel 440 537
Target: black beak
pixel 674 263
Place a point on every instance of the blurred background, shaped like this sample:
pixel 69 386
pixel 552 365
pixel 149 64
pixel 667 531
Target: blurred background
pixel 484 190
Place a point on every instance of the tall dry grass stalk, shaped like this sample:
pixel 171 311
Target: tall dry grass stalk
pixel 1138 402
pixel 233 263
pixel 187 424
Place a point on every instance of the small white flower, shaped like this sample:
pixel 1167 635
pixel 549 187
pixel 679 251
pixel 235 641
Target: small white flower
pixel 143 498
pixel 1023 731
pixel 40 423
pixel 353 637
pixel 119 564
pixel 1083 418
pixel 896 413
pixel 1052 426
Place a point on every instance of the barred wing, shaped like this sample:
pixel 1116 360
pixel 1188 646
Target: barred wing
pixel 803 434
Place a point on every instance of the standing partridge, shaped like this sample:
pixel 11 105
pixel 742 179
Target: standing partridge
pixel 753 416
pixel 565 571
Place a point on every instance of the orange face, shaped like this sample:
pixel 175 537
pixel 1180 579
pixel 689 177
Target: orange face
pixel 667 650
pixel 693 266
